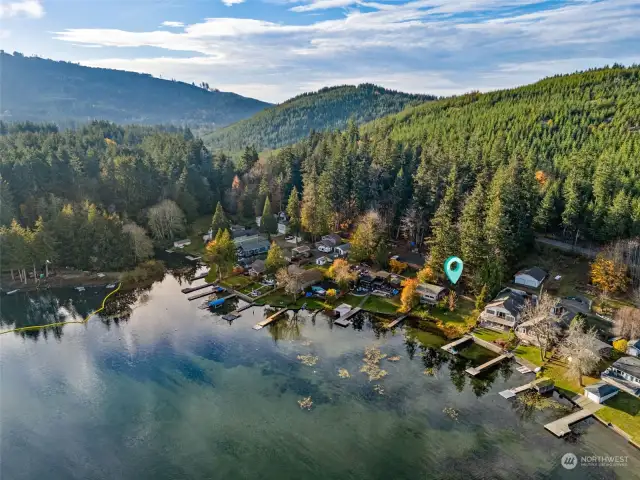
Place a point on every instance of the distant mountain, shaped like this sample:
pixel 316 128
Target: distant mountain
pixel 41 90
pixel 327 109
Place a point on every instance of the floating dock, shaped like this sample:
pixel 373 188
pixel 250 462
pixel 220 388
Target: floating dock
pixel 200 295
pixel 561 427
pixel 451 347
pixel 473 371
pixel 344 321
pixel 397 321
pixel 230 317
pixel 199 287
pixel 269 319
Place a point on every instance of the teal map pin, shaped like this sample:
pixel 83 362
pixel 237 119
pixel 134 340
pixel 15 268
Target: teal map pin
pixel 453 269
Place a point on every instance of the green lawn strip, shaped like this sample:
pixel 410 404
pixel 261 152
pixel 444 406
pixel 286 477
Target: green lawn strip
pixel 461 315
pixel 236 281
pixel 350 299
pixel 530 353
pixel 490 335
pixel 623 410
pixel 382 305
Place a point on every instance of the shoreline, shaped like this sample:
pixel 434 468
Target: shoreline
pixel 75 279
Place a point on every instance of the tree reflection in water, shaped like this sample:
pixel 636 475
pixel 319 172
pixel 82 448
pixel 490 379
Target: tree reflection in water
pixel 288 327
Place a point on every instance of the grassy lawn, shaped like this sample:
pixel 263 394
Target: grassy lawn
pixel 277 299
pixel 196 230
pixel 351 299
pixel 530 353
pixel 490 335
pixel 237 282
pixel 461 315
pixel 623 410
pixel 376 304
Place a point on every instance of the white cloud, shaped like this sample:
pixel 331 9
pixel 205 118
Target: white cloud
pixel 323 5
pixel 420 45
pixel 27 8
pixel 230 3
pixel 172 24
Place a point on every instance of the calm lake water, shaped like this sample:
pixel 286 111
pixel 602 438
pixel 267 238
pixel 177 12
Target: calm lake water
pixel 171 391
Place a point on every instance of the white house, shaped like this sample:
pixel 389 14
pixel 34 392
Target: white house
pixel 429 293
pixel 322 260
pixel 531 277
pixel 600 392
pixel 343 250
pixel 633 347
pixel 503 312
pixel 182 243
pixel 282 227
pixel 324 246
pixel 625 373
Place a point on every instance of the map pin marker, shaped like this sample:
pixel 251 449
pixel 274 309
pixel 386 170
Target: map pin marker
pixel 453 269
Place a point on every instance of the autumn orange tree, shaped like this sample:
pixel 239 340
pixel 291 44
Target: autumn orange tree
pixel 396 266
pixel 608 276
pixel 409 296
pixel 426 275
pixel 340 273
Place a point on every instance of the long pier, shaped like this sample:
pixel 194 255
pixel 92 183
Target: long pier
pixel 450 347
pixel 473 371
pixel 562 426
pixel 200 277
pixel 397 321
pixel 512 392
pixel 199 287
pixel 200 295
pixel 344 321
pixel 269 319
pixel 236 313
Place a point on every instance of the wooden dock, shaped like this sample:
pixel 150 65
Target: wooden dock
pixel 269 319
pixel 397 321
pixel 200 277
pixel 344 321
pixel 512 392
pixel 200 295
pixel 561 427
pixel 199 287
pixel 473 371
pixel 450 347
pixel 236 313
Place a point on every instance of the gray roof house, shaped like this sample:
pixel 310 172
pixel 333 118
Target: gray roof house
pixel 343 249
pixel 531 277
pixel 600 392
pixel 258 267
pixel 333 239
pixel 250 246
pixel 503 312
pixel 625 374
pixel 429 293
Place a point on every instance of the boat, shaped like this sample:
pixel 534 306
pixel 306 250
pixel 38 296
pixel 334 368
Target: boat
pixel 111 285
pixel 217 303
pixel 12 292
pixel 80 289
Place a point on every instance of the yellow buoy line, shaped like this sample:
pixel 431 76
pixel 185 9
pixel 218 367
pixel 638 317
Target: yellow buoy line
pixel 59 324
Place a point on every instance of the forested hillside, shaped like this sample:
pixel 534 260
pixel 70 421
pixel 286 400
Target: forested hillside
pixel 474 176
pixel 326 109
pixel 41 90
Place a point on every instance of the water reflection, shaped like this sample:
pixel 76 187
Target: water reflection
pixel 289 327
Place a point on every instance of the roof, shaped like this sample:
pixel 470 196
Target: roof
pixel 243 233
pixel 411 258
pixel 635 343
pixel 325 243
pixel 334 238
pixel 509 300
pixel 631 365
pixel 602 345
pixel 251 243
pixel 311 275
pixel 601 389
pixel 383 274
pixel 259 266
pixel 301 248
pixel 429 288
pixel 294 269
pixel 534 272
pixel 345 247
pixel 343 309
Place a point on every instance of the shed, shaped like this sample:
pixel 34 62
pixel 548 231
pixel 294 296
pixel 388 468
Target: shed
pixel 181 243
pixel 600 392
pixel 343 309
pixel 258 267
pixel 531 277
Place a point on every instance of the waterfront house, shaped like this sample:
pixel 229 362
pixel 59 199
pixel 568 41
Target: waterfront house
pixel 531 277
pixel 600 392
pixel 257 268
pixel 310 277
pixel 249 246
pixel 181 243
pixel 633 347
pixel 430 294
pixel 503 312
pixel 343 250
pixel 301 251
pixel 561 320
pixel 624 373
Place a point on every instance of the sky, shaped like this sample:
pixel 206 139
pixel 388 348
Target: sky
pixel 276 49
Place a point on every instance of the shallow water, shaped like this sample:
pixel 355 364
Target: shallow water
pixel 173 391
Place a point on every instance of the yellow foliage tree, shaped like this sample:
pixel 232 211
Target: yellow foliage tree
pixel 409 297
pixel 331 295
pixel 426 275
pixel 620 345
pixel 340 273
pixel 541 177
pixel 397 266
pixel 608 276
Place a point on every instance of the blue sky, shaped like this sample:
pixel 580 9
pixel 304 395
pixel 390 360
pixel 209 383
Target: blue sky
pixel 275 49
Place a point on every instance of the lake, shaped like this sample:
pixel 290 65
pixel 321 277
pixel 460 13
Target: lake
pixel 165 390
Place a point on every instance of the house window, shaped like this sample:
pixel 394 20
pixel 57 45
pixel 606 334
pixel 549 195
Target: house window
pixel 491 312
pixel 500 314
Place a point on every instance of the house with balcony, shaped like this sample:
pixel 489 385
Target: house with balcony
pixel 250 246
pixel 430 294
pixel 624 373
pixel 503 312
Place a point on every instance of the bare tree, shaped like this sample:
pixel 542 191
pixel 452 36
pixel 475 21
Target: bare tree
pixel 580 348
pixel 291 281
pixel 626 323
pixel 142 244
pixel 543 324
pixel 166 220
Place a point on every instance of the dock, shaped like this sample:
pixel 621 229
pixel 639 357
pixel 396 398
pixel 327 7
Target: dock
pixel 229 317
pixel 344 321
pixel 512 392
pixel 451 347
pixel 269 319
pixel 193 259
pixel 200 295
pixel 200 277
pixel 561 427
pixel 473 371
pixel 397 321
pixel 199 287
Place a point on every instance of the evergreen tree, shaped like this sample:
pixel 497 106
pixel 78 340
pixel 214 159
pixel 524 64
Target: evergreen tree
pixel 472 221
pixel 294 212
pixel 275 259
pixel 268 224
pixel 219 220
pixel 7 207
pixel 617 220
pixel 547 214
pixel 444 239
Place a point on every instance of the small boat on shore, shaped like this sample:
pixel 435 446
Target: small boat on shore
pixel 13 291
pixel 80 289
pixel 111 285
